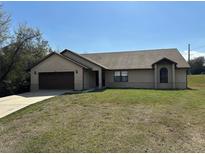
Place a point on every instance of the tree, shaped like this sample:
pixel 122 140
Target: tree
pixel 24 48
pixel 197 65
pixel 4 26
pixel 24 36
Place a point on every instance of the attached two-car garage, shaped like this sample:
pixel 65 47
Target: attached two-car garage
pixel 56 71
pixel 56 80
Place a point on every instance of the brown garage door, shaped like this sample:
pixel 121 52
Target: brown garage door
pixel 56 80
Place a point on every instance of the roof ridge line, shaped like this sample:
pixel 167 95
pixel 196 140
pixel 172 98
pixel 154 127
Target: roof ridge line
pixel 123 51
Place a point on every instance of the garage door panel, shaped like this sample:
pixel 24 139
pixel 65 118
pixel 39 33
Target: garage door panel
pixel 56 80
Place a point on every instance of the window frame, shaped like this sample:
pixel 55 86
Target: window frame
pixel 121 77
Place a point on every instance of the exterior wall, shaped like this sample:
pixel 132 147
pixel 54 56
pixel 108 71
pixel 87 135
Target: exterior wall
pixel 89 79
pixel 136 79
pixel 57 64
pixel 181 79
pixel 145 79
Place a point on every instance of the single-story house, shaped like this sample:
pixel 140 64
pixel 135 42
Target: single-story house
pixel 156 69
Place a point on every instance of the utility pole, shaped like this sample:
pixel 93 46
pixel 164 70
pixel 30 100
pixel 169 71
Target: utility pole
pixel 188 71
pixel 188 53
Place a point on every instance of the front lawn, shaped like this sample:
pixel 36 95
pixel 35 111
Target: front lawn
pixel 117 120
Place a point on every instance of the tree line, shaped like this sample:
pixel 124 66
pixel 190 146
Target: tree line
pixel 197 65
pixel 19 50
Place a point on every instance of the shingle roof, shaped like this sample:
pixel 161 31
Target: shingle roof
pixel 142 59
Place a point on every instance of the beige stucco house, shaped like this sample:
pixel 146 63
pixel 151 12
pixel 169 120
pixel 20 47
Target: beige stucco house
pixel 154 69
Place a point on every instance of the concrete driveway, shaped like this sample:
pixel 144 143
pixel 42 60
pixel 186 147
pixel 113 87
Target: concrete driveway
pixel 10 104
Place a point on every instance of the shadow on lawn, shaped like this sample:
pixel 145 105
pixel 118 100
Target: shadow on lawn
pixel 84 91
pixel 192 88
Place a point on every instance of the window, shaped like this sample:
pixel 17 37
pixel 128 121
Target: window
pixel 163 75
pixel 124 76
pixel 117 76
pixel 121 76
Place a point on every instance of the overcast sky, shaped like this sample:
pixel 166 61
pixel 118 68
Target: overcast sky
pixel 114 26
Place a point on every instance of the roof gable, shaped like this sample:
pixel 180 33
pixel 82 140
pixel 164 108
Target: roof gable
pixel 164 60
pixel 54 53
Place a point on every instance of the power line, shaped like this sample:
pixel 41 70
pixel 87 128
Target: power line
pixel 189 53
pixel 199 47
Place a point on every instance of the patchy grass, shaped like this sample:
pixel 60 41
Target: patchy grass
pixel 196 81
pixel 111 121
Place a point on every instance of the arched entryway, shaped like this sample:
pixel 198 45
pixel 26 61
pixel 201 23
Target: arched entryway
pixel 164 74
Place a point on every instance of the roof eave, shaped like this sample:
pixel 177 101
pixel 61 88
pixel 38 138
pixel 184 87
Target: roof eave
pixel 66 50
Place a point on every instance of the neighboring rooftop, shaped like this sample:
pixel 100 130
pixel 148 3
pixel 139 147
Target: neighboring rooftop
pixel 142 59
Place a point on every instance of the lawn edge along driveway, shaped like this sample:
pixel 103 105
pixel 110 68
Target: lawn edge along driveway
pixel 13 103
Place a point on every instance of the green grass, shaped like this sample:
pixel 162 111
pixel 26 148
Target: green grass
pixel 117 120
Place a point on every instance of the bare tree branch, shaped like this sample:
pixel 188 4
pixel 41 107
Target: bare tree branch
pixel 23 36
pixel 4 26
